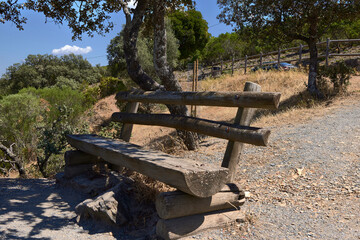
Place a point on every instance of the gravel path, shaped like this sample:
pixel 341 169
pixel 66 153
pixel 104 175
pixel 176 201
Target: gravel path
pixel 305 185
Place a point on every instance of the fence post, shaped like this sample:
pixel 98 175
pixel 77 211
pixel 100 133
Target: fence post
pixel 193 87
pixel 300 54
pixel 261 61
pixel 279 52
pixel 232 64
pixel 245 64
pixel 327 51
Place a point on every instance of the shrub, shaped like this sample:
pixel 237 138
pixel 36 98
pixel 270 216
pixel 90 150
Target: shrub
pixel 35 123
pixel 110 85
pixel 92 94
pixel 334 79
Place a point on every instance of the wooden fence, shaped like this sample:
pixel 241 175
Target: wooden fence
pixel 297 56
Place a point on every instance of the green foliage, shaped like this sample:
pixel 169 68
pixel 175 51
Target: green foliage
pixel 288 19
pixel 35 122
pixel 55 97
pixel 110 85
pixel 41 71
pixel 92 94
pixel 112 130
pixel 223 47
pixel 345 29
pixel 191 30
pixel 116 56
pixel 20 116
pixel 337 75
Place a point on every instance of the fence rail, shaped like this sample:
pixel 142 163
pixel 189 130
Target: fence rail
pixel 300 51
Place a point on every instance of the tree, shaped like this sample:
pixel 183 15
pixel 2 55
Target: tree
pixel 224 47
pixel 191 30
pixel 116 56
pixel 41 71
pixel 88 16
pixel 306 20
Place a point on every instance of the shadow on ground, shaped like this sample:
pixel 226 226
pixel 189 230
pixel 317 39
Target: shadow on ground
pixel 31 208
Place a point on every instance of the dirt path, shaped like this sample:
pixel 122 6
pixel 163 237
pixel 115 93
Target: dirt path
pixel 305 185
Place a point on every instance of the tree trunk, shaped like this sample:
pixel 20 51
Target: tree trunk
pixel 131 32
pixel 164 71
pixel 137 74
pixel 313 69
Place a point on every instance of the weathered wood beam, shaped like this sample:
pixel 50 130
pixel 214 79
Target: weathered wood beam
pixel 245 134
pixel 225 99
pixel 233 149
pixel 186 226
pixel 126 129
pixel 178 204
pixel 197 179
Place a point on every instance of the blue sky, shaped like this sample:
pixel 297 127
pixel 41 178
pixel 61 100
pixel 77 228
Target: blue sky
pixel 39 37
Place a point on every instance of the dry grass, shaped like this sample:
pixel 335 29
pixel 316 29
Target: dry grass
pixel 288 83
pixel 296 104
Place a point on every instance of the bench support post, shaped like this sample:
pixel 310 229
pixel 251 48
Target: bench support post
pixel 126 130
pixel 233 149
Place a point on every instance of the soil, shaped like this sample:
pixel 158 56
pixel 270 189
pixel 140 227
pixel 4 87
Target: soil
pixel 304 185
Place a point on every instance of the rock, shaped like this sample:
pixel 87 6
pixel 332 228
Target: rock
pixel 104 208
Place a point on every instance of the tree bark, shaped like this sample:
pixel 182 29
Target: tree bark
pixel 313 68
pixel 164 71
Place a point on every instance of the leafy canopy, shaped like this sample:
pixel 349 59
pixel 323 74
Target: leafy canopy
pixel 225 46
pixel 191 30
pixel 292 19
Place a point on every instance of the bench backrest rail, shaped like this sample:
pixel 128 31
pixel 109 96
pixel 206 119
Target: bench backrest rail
pixel 237 133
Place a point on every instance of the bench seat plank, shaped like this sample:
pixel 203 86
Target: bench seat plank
pixel 197 179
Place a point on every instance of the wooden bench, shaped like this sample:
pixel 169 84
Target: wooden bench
pixel 204 188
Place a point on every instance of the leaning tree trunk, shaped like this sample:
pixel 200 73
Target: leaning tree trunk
pixel 138 75
pixel 164 71
pixel 131 32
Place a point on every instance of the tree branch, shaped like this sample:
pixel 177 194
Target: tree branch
pixel 8 151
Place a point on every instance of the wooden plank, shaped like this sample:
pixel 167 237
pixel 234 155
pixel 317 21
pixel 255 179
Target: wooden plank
pixel 245 134
pixel 345 40
pixel 186 226
pixel 345 54
pixel 126 129
pixel 197 179
pixel 225 99
pixel 178 204
pixel 233 149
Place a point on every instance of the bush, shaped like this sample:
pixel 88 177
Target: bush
pixel 35 122
pixel 110 85
pixel 333 80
